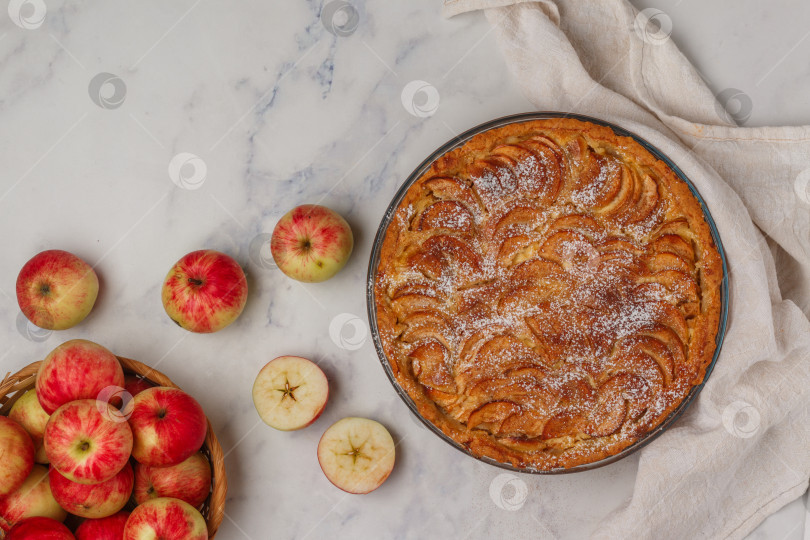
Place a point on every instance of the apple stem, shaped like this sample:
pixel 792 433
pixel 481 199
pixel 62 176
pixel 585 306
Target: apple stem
pixel 195 281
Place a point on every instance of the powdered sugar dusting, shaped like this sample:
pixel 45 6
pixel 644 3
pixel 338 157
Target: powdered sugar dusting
pixel 542 280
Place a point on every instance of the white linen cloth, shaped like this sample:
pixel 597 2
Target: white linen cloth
pixel 742 450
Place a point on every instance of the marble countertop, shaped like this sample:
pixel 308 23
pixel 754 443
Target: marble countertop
pixel 133 133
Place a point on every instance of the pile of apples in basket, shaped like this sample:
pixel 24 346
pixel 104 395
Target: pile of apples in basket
pixel 74 420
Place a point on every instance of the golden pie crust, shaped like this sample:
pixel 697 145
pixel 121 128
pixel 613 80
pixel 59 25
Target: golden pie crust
pixel 548 293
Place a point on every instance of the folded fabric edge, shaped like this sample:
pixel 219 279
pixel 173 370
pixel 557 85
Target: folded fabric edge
pixel 782 134
pixel 451 8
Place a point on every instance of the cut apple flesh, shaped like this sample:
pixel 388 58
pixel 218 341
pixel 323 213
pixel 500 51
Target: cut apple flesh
pixel 290 393
pixel 356 454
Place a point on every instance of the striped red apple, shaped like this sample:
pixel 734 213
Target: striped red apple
pixel 93 500
pixel 189 481
pixel 168 426
pixel 204 291
pixel 76 369
pixel 86 441
pixel 165 518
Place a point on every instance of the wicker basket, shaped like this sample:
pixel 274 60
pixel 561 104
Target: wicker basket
pixel 213 510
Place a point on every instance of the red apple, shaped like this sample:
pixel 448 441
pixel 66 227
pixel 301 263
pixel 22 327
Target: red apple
pixel 93 500
pixel 165 518
pixel 189 481
pixel 87 442
pixel 27 412
pixel 168 425
pixel 76 369
pixel 56 289
pixel 16 455
pixel 108 528
pixel 135 384
pixel 356 454
pixel 290 393
pixel 311 243
pixel 39 528
pixel 205 291
pixel 32 498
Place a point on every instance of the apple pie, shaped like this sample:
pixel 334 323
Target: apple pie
pixel 548 293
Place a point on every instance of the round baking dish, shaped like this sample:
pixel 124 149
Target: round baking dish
pixel 461 140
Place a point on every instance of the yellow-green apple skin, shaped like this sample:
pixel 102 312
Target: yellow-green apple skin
pixel 27 412
pixel 32 498
pixel 311 243
pixel 56 289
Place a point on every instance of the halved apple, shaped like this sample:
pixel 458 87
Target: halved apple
pixel 290 393
pixel 356 454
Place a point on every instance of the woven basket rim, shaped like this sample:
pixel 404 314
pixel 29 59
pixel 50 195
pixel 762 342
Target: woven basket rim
pixel 14 385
